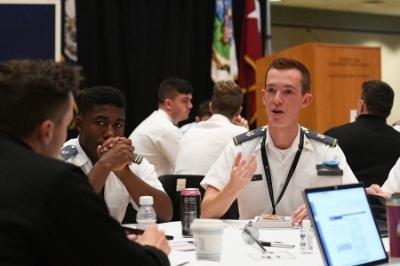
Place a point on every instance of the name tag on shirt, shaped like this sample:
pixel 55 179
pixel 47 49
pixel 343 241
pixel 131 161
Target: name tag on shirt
pixel 256 178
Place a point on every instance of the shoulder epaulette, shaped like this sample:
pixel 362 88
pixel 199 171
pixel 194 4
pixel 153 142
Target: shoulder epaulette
pixel 67 152
pixel 249 135
pixel 320 137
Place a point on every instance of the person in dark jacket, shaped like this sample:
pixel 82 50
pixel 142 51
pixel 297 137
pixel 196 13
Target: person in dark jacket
pixel 371 146
pixel 49 214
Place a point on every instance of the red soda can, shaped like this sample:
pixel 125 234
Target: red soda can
pixel 190 208
pixel 393 222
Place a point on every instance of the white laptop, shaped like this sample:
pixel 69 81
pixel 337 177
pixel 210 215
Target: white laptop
pixel 344 225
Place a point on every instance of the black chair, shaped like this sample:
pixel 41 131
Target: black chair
pixel 378 208
pixel 169 183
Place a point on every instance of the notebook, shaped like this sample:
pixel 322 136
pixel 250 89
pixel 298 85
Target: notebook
pixel 344 225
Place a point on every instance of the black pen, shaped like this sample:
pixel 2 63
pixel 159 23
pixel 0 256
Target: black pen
pixel 255 240
pixel 276 244
pixel 135 231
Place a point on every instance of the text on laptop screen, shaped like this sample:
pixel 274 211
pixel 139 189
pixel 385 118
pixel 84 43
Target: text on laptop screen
pixel 346 226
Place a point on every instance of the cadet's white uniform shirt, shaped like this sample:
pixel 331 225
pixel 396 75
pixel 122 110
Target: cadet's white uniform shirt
pixel 187 127
pixel 157 139
pixel 115 193
pixel 201 145
pixel 392 183
pixel 254 199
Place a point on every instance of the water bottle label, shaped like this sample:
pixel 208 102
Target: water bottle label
pixel 143 224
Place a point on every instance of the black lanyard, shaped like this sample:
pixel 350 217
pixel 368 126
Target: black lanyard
pixel 268 172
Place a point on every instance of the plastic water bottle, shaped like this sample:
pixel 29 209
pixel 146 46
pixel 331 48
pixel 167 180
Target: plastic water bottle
pixel 306 237
pixel 146 214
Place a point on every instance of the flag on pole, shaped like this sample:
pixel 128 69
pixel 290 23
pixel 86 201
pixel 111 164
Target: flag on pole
pixel 70 46
pixel 223 61
pixel 251 50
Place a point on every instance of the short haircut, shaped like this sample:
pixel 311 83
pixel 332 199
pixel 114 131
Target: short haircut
pixel 283 63
pixel 226 99
pixel 171 87
pixel 378 97
pixel 204 109
pixel 32 92
pixel 99 95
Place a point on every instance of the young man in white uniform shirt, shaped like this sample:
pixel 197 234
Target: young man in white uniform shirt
pixel 157 137
pixel 239 171
pixel 203 114
pixel 101 123
pixel 201 146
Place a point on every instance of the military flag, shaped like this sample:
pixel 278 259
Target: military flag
pixel 250 50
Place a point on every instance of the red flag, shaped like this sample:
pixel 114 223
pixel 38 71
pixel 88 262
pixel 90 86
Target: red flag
pixel 251 49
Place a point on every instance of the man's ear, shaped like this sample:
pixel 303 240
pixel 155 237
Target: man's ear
pixel 46 132
pixel 307 100
pixel 263 92
pixel 361 107
pixel 168 104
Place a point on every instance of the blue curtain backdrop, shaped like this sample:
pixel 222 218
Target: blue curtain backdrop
pixel 134 45
pixel 27 31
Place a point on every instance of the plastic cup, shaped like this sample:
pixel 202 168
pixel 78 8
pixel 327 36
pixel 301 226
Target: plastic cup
pixel 208 235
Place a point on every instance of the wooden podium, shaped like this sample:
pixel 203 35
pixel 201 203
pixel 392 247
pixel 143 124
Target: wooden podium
pixel 337 72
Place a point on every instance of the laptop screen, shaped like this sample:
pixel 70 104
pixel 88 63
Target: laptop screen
pixel 346 229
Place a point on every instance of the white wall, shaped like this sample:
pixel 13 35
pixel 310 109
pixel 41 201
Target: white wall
pixel 285 37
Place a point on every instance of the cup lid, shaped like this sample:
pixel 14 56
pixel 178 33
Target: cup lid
pixel 207 224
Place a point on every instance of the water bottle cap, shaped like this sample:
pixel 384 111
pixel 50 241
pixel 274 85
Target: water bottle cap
pixel 306 224
pixel 146 200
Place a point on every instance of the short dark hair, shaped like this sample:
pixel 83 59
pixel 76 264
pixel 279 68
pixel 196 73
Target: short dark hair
pixel 378 97
pixel 99 95
pixel 171 87
pixel 289 63
pixel 33 91
pixel 204 109
pixel 227 98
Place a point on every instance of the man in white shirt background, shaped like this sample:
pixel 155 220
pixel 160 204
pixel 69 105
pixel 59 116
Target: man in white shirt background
pixel 157 137
pixel 201 145
pixel 101 120
pixel 203 114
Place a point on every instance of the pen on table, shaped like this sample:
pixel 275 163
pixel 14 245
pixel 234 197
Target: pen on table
pixel 136 231
pixel 276 244
pixel 255 240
